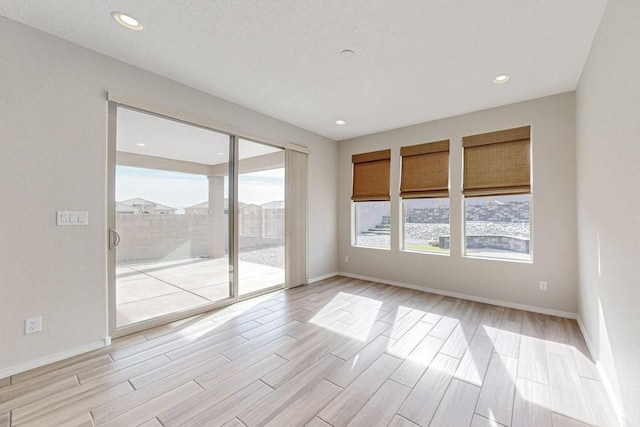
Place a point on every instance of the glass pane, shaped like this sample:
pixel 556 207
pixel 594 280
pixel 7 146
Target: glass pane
pixel 172 218
pixel 372 226
pixel 498 227
pixel 426 225
pixel 261 199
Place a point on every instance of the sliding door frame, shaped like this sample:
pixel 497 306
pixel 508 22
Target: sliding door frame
pixel 273 288
pixel 113 330
pixel 115 101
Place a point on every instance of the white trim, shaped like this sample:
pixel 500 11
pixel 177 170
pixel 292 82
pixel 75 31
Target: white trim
pixel 587 338
pixel 322 277
pixel 27 366
pixel 107 341
pixel 200 121
pixel 492 301
pixel 617 407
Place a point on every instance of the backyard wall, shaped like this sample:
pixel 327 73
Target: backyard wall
pixel 608 144
pixel 165 237
pixel 158 237
pixel 554 234
pixel 53 156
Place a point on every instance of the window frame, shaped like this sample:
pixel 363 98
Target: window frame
pixel 490 258
pixel 501 136
pixel 403 223
pixel 354 230
pixel 428 186
pixel 374 191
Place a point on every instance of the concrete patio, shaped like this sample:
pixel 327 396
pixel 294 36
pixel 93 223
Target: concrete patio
pixel 145 291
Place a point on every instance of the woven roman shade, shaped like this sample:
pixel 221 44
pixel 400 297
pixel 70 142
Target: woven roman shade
pixel 497 163
pixel 425 170
pixel 371 172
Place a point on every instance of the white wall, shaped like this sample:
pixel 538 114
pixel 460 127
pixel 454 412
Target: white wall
pixel 53 156
pixel 554 229
pixel 608 153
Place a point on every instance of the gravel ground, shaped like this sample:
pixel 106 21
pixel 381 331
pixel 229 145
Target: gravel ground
pixel 419 233
pixel 375 241
pixel 273 256
pixel 513 229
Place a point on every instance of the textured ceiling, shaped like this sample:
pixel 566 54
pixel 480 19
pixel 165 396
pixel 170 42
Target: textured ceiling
pixel 417 60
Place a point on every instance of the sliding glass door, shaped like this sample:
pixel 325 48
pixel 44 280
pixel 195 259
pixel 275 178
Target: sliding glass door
pixel 261 219
pixel 171 218
pixel 197 219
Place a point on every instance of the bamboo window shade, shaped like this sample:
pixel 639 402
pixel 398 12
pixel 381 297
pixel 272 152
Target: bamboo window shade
pixel 497 163
pixel 425 170
pixel 371 173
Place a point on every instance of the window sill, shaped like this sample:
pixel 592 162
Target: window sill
pixel 370 247
pixel 426 252
pixel 490 258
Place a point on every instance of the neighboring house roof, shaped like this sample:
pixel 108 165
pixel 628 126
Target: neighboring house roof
pixel 250 207
pixel 205 205
pixel 122 208
pixel 276 204
pixel 240 204
pixel 198 205
pixel 142 203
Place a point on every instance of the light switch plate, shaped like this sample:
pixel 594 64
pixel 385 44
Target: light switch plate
pixel 72 218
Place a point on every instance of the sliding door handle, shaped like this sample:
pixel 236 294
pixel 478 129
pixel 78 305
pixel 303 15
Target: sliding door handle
pixel 114 238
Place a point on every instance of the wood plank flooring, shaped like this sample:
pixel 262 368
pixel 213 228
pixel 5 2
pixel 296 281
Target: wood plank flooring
pixel 340 352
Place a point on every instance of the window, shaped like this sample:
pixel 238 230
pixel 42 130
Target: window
pixel 424 188
pixel 426 225
pixel 497 190
pixel 498 226
pixel 372 210
pixel 372 224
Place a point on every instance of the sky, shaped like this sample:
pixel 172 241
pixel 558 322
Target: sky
pixel 180 190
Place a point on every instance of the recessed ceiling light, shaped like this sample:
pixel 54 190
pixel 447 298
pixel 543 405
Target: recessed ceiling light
pixel 341 122
pixel 347 52
pixel 502 78
pixel 220 154
pixel 127 21
pixel 140 144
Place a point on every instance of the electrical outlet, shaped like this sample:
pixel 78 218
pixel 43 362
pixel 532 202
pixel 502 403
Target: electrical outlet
pixel 543 286
pixel 33 325
pixel 346 258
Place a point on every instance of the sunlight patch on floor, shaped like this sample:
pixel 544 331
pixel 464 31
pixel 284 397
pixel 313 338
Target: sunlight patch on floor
pixel 330 316
pixel 197 331
pixel 221 316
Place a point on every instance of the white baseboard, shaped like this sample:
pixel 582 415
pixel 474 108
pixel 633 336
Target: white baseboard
pixel 23 367
pixel 492 301
pixel 323 277
pixel 603 375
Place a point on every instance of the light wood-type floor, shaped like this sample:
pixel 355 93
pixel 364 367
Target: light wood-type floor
pixel 339 352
